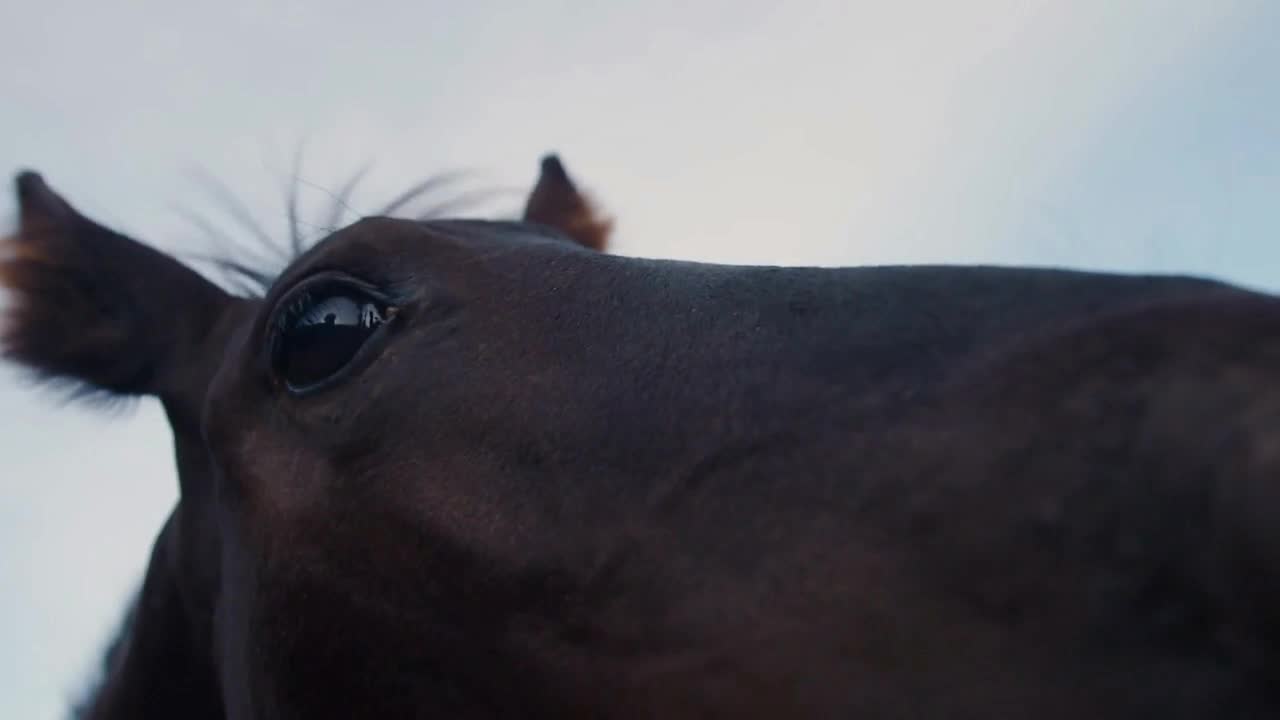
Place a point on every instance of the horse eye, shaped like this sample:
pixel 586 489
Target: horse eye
pixel 319 334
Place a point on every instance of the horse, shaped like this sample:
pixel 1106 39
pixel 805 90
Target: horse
pixel 479 469
pixel 158 665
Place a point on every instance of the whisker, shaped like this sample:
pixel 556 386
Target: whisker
pixel 314 227
pixel 255 272
pixel 235 207
pixel 247 277
pixel 291 200
pixel 342 198
pixel 462 201
pixel 242 277
pixel 416 191
pixel 210 230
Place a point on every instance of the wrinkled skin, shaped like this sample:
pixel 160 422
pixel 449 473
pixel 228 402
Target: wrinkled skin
pixel 558 483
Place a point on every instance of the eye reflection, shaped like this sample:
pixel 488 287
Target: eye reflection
pixel 341 310
pixel 319 335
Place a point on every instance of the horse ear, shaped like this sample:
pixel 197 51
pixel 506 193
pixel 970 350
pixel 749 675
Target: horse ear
pixel 557 202
pixel 89 305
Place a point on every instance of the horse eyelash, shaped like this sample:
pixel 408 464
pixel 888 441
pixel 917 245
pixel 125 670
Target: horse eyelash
pixel 295 310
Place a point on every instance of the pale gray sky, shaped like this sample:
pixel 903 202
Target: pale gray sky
pixel 1142 135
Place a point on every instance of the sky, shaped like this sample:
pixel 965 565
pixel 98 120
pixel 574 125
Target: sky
pixel 1140 136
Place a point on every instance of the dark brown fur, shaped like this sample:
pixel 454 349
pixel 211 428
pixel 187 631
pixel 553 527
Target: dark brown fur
pixel 560 483
pixel 95 310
